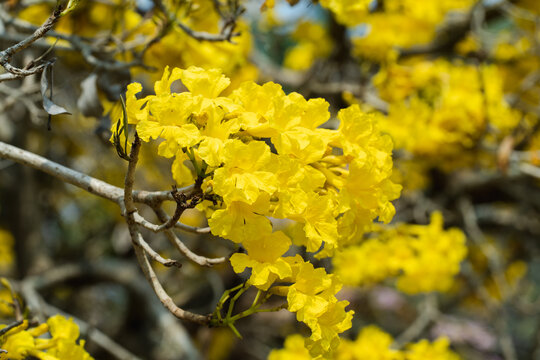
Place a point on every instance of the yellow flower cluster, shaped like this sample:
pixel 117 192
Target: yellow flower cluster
pixel 399 23
pixel 371 344
pixel 22 342
pixel 423 257
pixel 313 43
pixel 438 108
pixel 260 154
pixel 312 297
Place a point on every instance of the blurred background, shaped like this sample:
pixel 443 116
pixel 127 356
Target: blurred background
pixel 454 83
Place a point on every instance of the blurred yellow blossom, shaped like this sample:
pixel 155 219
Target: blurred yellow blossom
pixel 371 344
pixel 424 258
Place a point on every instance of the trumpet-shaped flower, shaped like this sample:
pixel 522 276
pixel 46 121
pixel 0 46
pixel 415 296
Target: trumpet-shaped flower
pixel 303 296
pixel 207 83
pixel 243 176
pixel 22 342
pixel 241 221
pixel 326 328
pixel 264 258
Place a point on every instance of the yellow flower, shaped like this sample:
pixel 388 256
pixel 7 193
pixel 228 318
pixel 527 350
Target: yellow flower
pixel 17 342
pixel 306 145
pixel 241 221
pixel 437 350
pixel 207 83
pixel 62 328
pixel 320 223
pixel 182 174
pixel 264 258
pixel 309 282
pixel 326 328
pixel 423 257
pixel 294 350
pixel 399 23
pixel 243 176
pixel 371 344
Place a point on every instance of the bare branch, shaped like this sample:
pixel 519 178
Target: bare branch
pixel 428 313
pixel 157 228
pixel 142 258
pixel 5 55
pixel 83 181
pixel 81 44
pixel 193 229
pixel 117 271
pixel 139 241
pixel 29 288
pixel 198 259
pixel 226 34
pixel 530 170
pixel 116 194
pixel 130 177
pixel 163 217
pixel 204 36
pixel 162 294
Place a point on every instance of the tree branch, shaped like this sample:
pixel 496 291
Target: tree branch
pixel 142 258
pixel 428 313
pixel 120 272
pixel 226 34
pixel 139 241
pixel 83 181
pixel 5 55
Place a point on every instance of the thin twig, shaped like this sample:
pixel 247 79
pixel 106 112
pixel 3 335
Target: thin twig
pixel 193 229
pixel 198 259
pixel 139 241
pixel 428 314
pixel 78 43
pixel 157 228
pixel 204 36
pixel 226 33
pixel 142 258
pixel 162 294
pixel 5 55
